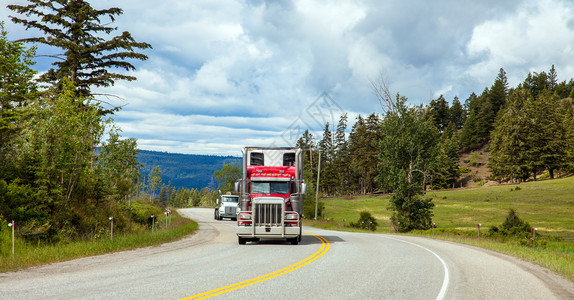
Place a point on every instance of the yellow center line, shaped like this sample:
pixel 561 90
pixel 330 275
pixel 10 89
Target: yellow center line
pixel 325 245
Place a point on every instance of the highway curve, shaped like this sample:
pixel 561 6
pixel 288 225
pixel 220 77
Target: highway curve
pixel 325 265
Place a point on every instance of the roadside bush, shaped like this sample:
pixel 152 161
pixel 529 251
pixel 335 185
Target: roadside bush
pixel 366 221
pixel 142 210
pixel 5 238
pixel 513 225
pixel 411 214
pixel 309 209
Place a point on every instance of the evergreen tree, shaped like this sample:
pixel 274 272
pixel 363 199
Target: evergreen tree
pixel 446 171
pixel 17 90
pixel 439 111
pixel 456 114
pixel 76 28
pixel 498 93
pixel 341 158
pixel 327 148
pixel 532 135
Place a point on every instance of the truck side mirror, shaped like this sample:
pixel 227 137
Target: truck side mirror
pixel 303 188
pixel 217 201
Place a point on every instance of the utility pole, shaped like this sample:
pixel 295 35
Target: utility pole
pixel 317 193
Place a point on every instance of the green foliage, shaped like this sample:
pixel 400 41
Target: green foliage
pixel 118 166
pixel 5 238
pixel 142 210
pixel 366 221
pixel 446 170
pixel 154 181
pixel 474 159
pixel 309 209
pixel 513 225
pixel 411 213
pixel 79 30
pixel 17 89
pixel 532 134
pixel 409 151
pixel 226 177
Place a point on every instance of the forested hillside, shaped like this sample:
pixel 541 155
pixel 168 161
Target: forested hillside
pixel 189 171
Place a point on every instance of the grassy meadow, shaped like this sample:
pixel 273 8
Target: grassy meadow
pixel 547 205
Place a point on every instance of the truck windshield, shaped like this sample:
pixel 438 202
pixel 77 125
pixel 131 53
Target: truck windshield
pixel 230 199
pixel 274 187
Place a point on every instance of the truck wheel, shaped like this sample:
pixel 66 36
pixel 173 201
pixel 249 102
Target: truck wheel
pixel 242 241
pixel 295 241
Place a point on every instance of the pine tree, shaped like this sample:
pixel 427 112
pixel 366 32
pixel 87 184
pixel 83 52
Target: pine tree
pixel 76 28
pixel 531 135
pixel 498 93
pixel 456 114
pixel 439 111
pixel 341 157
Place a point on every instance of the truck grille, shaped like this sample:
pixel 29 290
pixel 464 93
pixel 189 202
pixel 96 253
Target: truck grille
pixel 230 210
pixel 268 214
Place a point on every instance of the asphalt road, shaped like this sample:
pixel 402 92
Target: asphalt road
pixel 325 265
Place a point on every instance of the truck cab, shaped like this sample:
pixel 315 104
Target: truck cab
pixel 271 194
pixel 227 206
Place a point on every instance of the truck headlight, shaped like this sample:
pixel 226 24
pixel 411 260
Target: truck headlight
pixel 291 216
pixel 244 216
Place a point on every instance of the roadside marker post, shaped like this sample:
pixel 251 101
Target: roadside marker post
pixel 433 224
pixel 533 235
pixel 111 228
pixel 166 213
pixel 479 229
pixel 152 222
pixel 13 225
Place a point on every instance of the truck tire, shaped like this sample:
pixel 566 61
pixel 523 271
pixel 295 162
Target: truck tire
pixel 294 241
pixel 242 241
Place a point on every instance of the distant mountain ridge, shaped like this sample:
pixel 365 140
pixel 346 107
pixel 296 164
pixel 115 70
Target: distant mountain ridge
pixel 185 170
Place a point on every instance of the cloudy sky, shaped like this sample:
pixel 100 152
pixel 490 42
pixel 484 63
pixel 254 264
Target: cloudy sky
pixel 229 73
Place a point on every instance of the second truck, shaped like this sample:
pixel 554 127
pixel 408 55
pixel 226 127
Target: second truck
pixel 271 194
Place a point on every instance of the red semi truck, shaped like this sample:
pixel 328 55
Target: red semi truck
pixel 271 194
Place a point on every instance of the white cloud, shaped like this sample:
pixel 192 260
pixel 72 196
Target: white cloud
pixel 225 74
pixel 531 40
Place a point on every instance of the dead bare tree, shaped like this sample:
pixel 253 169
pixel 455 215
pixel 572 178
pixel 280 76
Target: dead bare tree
pixel 381 89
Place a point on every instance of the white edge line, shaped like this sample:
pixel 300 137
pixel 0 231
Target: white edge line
pixel 446 279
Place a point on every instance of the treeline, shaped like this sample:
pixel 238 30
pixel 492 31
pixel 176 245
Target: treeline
pixel 530 130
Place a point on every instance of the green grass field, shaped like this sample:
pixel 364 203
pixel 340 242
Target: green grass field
pixel 547 205
pixel 30 254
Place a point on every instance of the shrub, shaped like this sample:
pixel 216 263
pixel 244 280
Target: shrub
pixel 366 221
pixel 513 225
pixel 142 210
pixel 411 213
pixel 474 157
